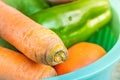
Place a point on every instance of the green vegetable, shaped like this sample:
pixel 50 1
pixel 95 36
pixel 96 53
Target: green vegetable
pixel 28 7
pixel 56 2
pixel 75 21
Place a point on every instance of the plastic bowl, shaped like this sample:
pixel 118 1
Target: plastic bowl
pixel 109 38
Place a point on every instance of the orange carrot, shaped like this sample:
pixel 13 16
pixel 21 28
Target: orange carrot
pixel 15 66
pixel 35 41
pixel 80 55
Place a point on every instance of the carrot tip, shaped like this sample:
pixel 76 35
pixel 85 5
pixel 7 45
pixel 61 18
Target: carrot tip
pixel 59 57
pixel 56 55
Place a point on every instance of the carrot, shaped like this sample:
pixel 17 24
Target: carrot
pixel 80 55
pixel 15 66
pixel 37 42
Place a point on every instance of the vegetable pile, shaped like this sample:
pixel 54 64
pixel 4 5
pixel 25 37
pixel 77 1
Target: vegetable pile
pixel 40 41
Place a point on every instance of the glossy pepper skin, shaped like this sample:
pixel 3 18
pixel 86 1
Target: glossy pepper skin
pixel 75 21
pixel 28 7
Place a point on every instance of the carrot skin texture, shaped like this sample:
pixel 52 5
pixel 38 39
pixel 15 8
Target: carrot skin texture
pixel 15 66
pixel 80 55
pixel 35 41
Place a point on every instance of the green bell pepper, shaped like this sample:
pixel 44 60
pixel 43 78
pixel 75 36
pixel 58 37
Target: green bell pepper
pixel 75 21
pixel 28 7
pixel 56 2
